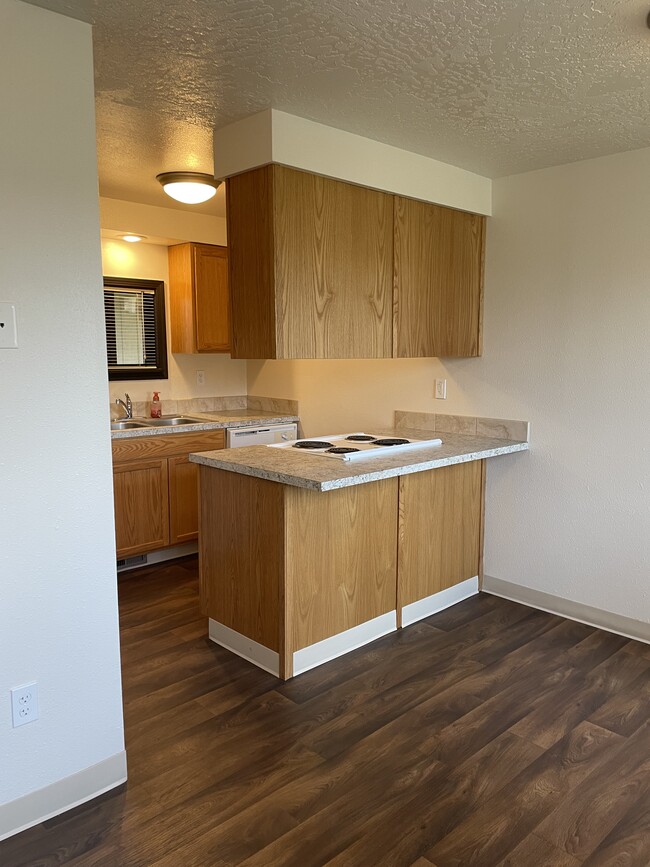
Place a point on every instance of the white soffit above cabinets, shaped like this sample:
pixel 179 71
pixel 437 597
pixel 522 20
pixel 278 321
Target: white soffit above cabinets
pixel 495 88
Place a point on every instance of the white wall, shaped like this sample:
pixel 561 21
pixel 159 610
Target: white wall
pixel 355 394
pixel 567 320
pixel 273 136
pixel 173 224
pixel 59 606
pixel 223 376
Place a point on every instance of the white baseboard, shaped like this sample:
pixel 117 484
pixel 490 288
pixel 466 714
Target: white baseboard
pixel 65 794
pixel 439 601
pixel 628 627
pixel 245 647
pixel 344 642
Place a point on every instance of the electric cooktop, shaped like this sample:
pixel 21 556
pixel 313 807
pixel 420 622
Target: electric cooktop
pixel 354 446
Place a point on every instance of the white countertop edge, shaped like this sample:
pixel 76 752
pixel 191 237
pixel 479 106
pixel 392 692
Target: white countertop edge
pixel 208 424
pixel 350 481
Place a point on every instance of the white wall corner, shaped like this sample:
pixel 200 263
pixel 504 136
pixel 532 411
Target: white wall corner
pixel 277 137
pixel 629 627
pixel 243 145
pixel 63 795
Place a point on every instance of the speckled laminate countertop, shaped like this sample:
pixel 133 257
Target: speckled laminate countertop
pixel 293 467
pixel 208 421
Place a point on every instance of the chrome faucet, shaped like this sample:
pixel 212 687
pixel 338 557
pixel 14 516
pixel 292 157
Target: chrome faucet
pixel 127 407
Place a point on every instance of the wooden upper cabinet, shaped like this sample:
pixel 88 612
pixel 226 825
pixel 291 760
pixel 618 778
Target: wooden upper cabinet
pixel 438 288
pixel 310 266
pixel 199 302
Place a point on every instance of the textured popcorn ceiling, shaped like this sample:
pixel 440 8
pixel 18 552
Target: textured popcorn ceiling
pixel 497 87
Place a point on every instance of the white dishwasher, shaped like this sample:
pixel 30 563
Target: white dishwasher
pixel 260 436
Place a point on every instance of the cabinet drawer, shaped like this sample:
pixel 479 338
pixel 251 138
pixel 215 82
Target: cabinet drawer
pixel 167 446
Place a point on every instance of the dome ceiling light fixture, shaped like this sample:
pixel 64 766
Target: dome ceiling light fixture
pixel 191 188
pixel 132 238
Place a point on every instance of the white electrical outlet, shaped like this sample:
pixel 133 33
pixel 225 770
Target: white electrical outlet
pixel 200 377
pixel 24 704
pixel 441 389
pixel 8 333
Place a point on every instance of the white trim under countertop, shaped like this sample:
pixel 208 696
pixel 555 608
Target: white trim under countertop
pixel 628 627
pixel 250 650
pixel 63 795
pixel 439 601
pixel 338 645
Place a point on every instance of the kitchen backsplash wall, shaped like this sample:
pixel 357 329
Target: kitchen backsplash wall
pixel 499 428
pixel 214 404
pixel 346 395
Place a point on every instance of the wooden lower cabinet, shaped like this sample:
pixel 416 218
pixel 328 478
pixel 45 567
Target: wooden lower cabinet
pixel 183 500
pixel 440 530
pixel 290 568
pixel 141 506
pixel 156 490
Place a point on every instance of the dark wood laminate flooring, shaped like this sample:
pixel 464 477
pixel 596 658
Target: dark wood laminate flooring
pixel 489 734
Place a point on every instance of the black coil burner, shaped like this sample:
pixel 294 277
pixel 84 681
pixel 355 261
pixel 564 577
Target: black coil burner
pixel 391 442
pixel 312 444
pixel 342 450
pixel 360 438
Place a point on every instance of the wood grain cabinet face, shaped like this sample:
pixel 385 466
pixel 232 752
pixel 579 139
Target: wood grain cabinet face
pixel 156 490
pixel 199 299
pixel 333 263
pixel 310 266
pixel 183 500
pixel 438 286
pixel 141 506
pixel 320 268
pixel 440 529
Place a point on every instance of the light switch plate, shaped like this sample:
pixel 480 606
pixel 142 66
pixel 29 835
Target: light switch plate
pixel 8 335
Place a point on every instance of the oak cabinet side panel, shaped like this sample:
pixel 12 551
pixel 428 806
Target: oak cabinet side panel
pixel 341 549
pixel 440 517
pixel 249 203
pixel 241 551
pixel 212 306
pixel 181 299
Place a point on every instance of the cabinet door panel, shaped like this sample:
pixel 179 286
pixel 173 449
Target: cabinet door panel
pixel 440 529
pixel 333 268
pixel 141 506
pixel 183 500
pixel 438 289
pixel 211 299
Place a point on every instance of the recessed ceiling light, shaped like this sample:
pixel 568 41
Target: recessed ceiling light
pixel 132 238
pixel 191 188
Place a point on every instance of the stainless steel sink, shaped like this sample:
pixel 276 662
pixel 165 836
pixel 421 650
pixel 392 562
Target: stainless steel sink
pixel 126 425
pixel 173 421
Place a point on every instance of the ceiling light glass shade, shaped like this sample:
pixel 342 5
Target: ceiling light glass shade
pixel 191 188
pixel 132 238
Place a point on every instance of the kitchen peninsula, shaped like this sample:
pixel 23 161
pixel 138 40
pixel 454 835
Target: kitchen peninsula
pixel 303 559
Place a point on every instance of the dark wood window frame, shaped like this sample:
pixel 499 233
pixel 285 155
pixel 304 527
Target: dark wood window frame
pixel 129 372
